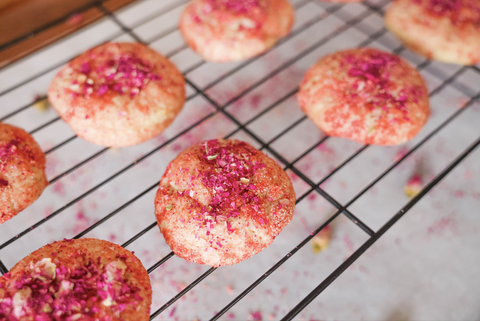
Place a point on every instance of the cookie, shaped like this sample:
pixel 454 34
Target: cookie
pixel 84 279
pixel 222 201
pixel 444 30
pixel 232 30
pixel 366 95
pixel 118 94
pixel 22 171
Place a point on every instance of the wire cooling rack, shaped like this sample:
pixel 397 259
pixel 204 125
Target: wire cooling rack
pixel 252 100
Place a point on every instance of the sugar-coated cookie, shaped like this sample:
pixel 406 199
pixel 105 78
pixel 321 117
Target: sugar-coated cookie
pixel 22 171
pixel 231 30
pixel 444 30
pixel 366 95
pixel 118 94
pixel 222 201
pixel 86 279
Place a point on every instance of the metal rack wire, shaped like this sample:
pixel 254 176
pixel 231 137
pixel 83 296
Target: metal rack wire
pixel 264 145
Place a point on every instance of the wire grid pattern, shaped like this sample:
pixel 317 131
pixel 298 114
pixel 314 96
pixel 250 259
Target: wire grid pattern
pixel 320 28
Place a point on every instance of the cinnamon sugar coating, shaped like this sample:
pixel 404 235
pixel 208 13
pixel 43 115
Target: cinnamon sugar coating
pixel 86 279
pixel 222 201
pixel 365 95
pixel 22 171
pixel 118 94
pixel 232 30
pixel 444 30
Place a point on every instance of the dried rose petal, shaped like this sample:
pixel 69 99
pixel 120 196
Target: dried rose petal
pixel 371 73
pixel 102 89
pixel 321 241
pixel 41 104
pixel 235 6
pixel 85 68
pixel 230 177
pixel 125 74
pixel 75 19
pixel 62 293
pixel 413 186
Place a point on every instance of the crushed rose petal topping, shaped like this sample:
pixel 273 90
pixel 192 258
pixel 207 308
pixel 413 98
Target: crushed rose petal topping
pixel 458 11
pixel 125 75
pixel 8 149
pixel 370 78
pixel 57 292
pixel 235 6
pixel 12 148
pixel 229 173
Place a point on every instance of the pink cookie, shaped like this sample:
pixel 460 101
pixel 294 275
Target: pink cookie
pixel 22 171
pixel 118 94
pixel 231 30
pixel 222 201
pixel 84 279
pixel 365 95
pixel 444 30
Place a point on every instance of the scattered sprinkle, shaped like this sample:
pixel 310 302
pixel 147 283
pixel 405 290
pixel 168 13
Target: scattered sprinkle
pixel 125 74
pixel 460 12
pixel 229 289
pixel 75 19
pixel 321 241
pixel 235 6
pixel 413 186
pixel 255 316
pixel 41 103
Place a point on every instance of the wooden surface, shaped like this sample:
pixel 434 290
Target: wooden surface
pixel 29 25
pixel 4 4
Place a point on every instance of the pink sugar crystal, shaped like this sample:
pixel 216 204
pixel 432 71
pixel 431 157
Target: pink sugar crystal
pixel 126 74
